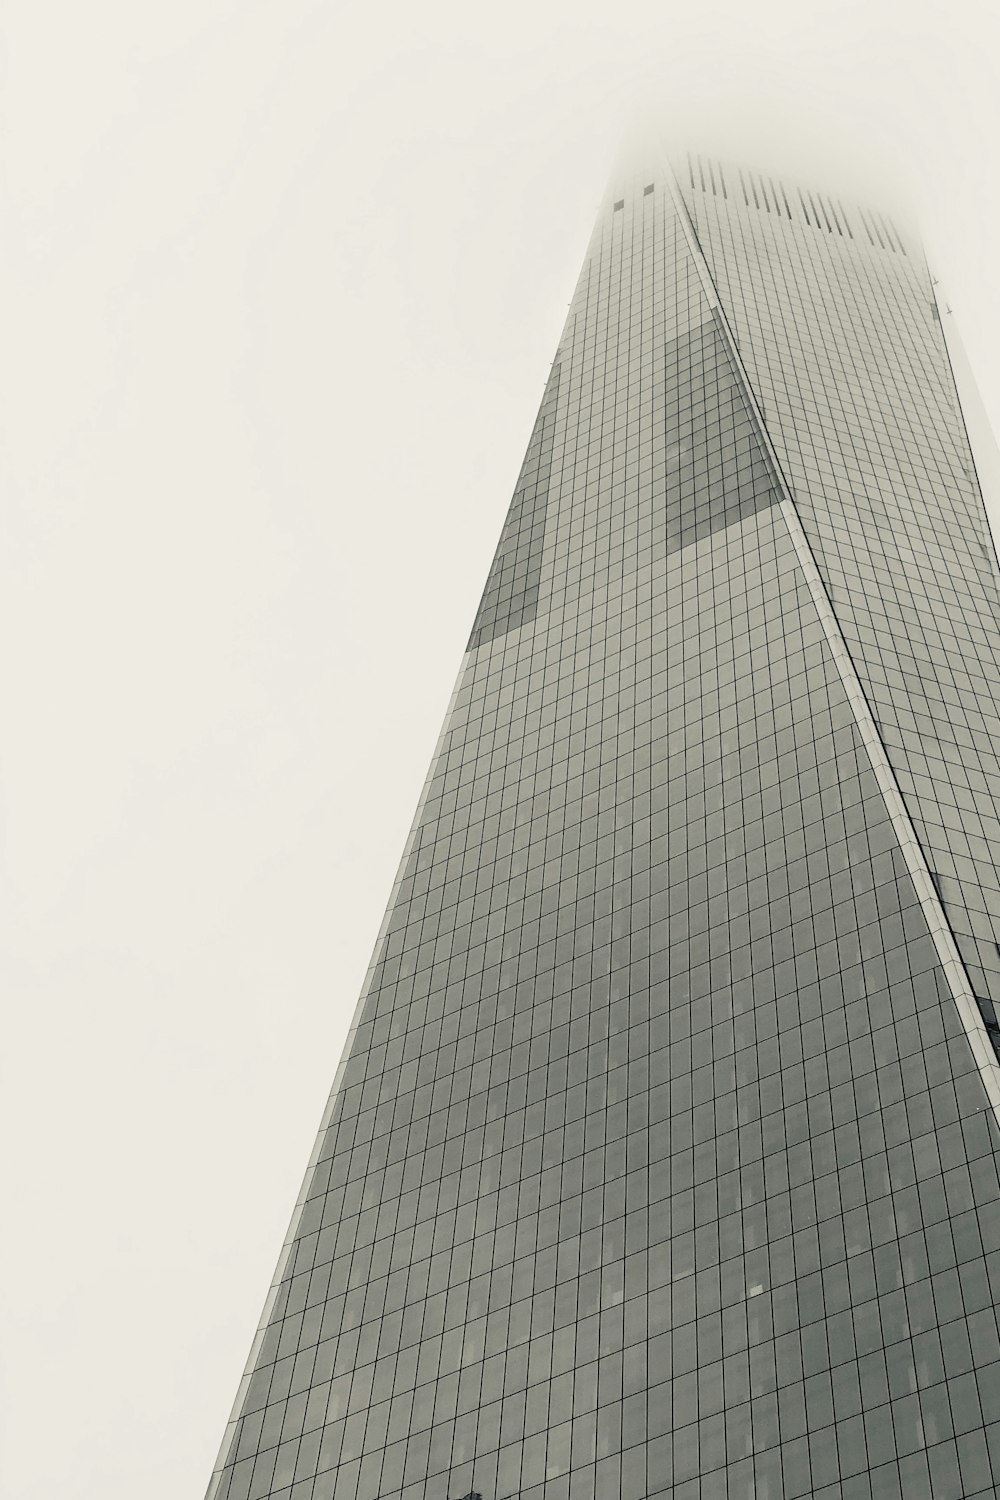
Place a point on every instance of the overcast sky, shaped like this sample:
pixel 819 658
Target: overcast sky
pixel 281 284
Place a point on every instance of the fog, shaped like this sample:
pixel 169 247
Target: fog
pixel 281 286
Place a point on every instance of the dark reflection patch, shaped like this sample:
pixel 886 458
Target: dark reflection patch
pixel 511 594
pixel 716 470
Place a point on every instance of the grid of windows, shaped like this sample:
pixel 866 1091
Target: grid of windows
pixel 846 352
pixel 659 1163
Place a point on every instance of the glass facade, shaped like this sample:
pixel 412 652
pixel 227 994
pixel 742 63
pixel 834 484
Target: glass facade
pixel 662 1157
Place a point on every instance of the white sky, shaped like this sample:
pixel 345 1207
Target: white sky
pixel 281 286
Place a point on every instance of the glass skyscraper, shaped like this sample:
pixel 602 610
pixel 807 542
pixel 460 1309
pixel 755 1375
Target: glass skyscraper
pixel 661 1160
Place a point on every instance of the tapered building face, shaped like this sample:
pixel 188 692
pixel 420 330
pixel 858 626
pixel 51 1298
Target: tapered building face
pixel 661 1160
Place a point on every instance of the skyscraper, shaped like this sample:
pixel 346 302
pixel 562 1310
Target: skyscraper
pixel 662 1157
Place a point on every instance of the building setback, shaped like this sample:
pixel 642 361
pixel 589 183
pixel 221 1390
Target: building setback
pixel 661 1160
